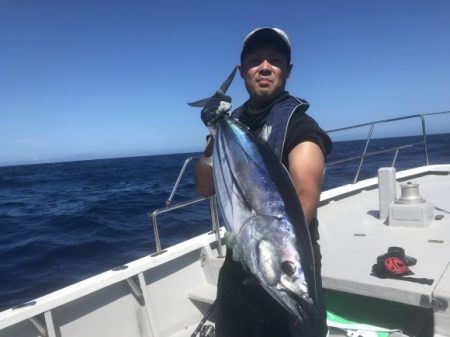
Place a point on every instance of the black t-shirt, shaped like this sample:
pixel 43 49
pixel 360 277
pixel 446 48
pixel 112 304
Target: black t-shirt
pixel 301 128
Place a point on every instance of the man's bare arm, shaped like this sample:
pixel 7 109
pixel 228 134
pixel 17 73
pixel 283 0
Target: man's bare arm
pixel 203 175
pixel 306 164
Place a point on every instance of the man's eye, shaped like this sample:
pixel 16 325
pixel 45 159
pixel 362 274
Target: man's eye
pixel 255 61
pixel 275 61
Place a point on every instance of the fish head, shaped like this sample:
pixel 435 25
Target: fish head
pixel 282 275
pixel 292 283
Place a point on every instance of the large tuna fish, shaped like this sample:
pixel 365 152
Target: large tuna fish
pixel 260 206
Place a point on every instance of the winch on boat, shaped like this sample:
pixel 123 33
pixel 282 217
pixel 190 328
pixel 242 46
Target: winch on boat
pixel 410 210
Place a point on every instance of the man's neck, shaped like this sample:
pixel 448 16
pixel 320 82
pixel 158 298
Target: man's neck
pixel 257 106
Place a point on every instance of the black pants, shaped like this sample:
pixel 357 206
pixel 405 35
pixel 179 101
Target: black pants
pixel 245 309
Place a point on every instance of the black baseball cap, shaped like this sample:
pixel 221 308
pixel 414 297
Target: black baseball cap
pixel 265 35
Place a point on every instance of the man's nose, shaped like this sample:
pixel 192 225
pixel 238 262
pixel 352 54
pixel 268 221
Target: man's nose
pixel 265 67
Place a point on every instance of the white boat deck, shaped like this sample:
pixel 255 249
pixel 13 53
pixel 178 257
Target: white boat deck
pixel 352 237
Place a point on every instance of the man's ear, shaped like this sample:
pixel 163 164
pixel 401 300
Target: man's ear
pixel 290 66
pixel 240 70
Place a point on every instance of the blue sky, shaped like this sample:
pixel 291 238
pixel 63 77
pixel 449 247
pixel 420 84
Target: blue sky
pixel 100 79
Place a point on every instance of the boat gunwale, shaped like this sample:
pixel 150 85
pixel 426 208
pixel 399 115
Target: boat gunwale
pixel 107 278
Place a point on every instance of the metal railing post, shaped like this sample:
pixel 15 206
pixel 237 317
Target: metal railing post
pixel 186 162
pixel 215 224
pixel 154 214
pixel 395 157
pixel 369 137
pixel 424 133
pixel 156 232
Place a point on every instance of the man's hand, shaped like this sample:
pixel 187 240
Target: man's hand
pixel 216 106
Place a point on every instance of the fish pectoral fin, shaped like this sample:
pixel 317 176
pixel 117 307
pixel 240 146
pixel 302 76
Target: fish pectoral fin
pixel 268 262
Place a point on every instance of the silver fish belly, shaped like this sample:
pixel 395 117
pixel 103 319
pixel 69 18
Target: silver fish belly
pixel 260 206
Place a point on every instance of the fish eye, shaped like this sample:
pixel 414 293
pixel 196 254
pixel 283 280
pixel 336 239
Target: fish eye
pixel 288 268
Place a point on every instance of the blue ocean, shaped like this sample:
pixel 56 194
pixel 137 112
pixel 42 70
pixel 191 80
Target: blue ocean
pixel 63 222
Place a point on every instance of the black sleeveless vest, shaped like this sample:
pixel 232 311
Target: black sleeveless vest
pixel 277 121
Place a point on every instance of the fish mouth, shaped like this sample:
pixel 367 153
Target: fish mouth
pixel 303 304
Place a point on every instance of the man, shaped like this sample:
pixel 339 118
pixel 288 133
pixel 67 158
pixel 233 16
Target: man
pixel 243 308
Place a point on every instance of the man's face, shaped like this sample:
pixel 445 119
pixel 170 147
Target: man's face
pixel 265 71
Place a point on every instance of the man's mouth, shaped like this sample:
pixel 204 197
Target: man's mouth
pixel 263 81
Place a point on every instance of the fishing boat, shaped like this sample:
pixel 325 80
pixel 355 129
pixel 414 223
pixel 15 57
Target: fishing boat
pixel 364 224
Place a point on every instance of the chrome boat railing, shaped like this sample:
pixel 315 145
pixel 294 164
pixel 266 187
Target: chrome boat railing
pixel 212 201
pixel 169 208
pixel 395 149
